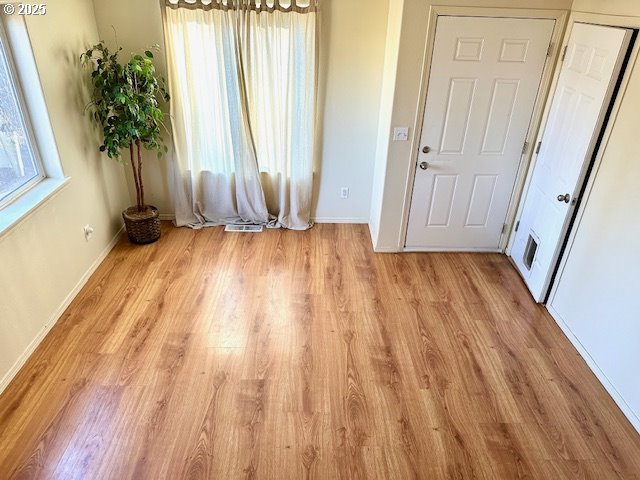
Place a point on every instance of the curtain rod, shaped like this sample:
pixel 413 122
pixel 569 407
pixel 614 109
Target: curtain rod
pixel 254 5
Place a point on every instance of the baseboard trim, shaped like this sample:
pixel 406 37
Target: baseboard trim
pixel 386 250
pixel 13 371
pixel 600 375
pixel 450 250
pixel 347 220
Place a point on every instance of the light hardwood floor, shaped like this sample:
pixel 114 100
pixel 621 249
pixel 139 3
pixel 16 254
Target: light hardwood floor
pixel 292 355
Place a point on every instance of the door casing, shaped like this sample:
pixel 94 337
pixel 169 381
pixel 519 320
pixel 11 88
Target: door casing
pixel 560 16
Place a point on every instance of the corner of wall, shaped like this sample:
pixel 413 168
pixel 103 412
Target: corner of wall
pixel 45 258
pixel 391 56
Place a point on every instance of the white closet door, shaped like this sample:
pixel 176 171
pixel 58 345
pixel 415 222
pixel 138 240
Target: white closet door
pixel 583 93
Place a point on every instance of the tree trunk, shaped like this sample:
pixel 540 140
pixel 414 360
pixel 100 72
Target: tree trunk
pixel 141 204
pixel 135 175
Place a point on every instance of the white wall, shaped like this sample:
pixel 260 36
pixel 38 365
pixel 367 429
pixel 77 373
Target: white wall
pixel 43 258
pixel 352 47
pixel 391 56
pixel 597 294
pixel 395 162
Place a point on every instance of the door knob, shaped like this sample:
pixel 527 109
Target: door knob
pixel 424 165
pixel 426 149
pixel 566 198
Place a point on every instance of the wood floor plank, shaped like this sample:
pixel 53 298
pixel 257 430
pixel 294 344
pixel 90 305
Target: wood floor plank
pixel 304 355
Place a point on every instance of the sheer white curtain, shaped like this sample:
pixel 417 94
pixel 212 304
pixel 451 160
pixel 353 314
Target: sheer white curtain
pixel 243 88
pixel 279 59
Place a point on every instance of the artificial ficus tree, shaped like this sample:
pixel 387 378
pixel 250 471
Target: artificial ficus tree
pixel 124 102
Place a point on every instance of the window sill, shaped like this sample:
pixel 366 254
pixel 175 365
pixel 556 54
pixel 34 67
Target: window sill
pixel 29 202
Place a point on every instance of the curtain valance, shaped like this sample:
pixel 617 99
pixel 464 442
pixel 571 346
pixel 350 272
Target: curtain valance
pixel 298 6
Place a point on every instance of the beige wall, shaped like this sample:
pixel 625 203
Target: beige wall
pixel 352 49
pixel 608 7
pixel 391 56
pixel 386 216
pixel 44 257
pixel 352 46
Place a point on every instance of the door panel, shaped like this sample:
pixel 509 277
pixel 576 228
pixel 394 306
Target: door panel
pixel 583 94
pixel 484 80
pixel 503 102
pixel 456 120
pixel 484 189
pixel 444 188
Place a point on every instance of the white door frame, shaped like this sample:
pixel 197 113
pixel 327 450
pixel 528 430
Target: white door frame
pixel 596 19
pixel 560 16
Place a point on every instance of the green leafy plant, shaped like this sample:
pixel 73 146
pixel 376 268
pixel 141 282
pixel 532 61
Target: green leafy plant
pixel 124 102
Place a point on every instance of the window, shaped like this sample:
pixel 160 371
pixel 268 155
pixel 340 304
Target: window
pixel 20 167
pixel 243 92
pixel 30 169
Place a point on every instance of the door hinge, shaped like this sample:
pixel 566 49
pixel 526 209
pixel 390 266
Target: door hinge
pixel 564 53
pixel 525 147
pixel 504 228
pixel 550 49
pixel 517 225
pixel 538 147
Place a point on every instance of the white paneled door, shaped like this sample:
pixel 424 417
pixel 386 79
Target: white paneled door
pixel 485 76
pixel 583 93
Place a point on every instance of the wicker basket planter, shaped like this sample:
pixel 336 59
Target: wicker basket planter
pixel 142 227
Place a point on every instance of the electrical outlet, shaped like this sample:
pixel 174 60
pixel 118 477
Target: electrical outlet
pixel 88 232
pixel 344 192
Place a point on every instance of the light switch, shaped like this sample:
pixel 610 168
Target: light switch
pixel 401 134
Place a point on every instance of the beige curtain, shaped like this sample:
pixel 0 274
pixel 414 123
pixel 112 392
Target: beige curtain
pixel 242 79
